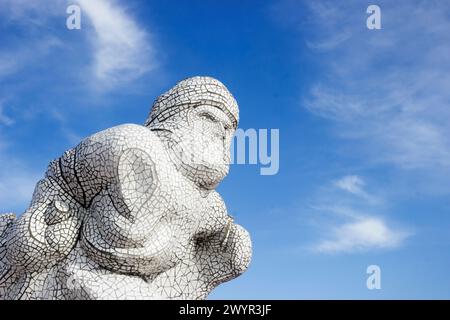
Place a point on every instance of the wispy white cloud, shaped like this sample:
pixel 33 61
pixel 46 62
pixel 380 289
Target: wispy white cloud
pixel 329 43
pixel 352 184
pixel 4 119
pixel 350 219
pixel 122 49
pixel 364 234
pixel 387 89
pixel 355 185
pixel 117 52
pixel 19 57
pixel 7 66
pixel 64 127
pixel 30 12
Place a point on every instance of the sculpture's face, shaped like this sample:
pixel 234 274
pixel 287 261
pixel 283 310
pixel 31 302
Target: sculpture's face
pixel 202 144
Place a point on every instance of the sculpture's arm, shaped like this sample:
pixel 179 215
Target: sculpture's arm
pixel 113 174
pixel 220 251
pixel 47 231
pixel 92 165
pixel 116 162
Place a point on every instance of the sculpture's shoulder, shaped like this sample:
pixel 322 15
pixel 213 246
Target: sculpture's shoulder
pixel 108 145
pixel 89 167
pixel 128 129
pixel 125 135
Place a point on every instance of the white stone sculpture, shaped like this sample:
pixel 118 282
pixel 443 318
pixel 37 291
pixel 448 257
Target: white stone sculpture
pixel 131 212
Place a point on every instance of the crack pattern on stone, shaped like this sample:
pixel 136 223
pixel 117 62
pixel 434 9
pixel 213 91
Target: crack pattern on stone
pixel 132 211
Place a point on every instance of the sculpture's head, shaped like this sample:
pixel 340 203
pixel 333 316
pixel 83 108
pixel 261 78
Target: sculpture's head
pixel 196 120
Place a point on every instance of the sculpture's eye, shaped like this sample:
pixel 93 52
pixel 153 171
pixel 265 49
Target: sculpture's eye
pixel 208 116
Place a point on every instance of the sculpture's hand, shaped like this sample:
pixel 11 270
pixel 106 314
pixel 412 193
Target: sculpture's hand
pixel 225 255
pixel 223 249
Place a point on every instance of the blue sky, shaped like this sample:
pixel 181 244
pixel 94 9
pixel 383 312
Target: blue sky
pixel 363 118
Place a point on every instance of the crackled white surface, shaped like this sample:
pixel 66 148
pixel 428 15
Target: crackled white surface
pixel 131 212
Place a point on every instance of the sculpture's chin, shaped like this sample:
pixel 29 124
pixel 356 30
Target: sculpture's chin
pixel 212 175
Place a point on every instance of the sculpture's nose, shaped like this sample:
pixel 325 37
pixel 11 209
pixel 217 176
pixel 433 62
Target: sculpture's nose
pixel 220 131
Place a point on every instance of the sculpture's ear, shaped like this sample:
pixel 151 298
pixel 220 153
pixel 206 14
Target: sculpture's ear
pixel 137 180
